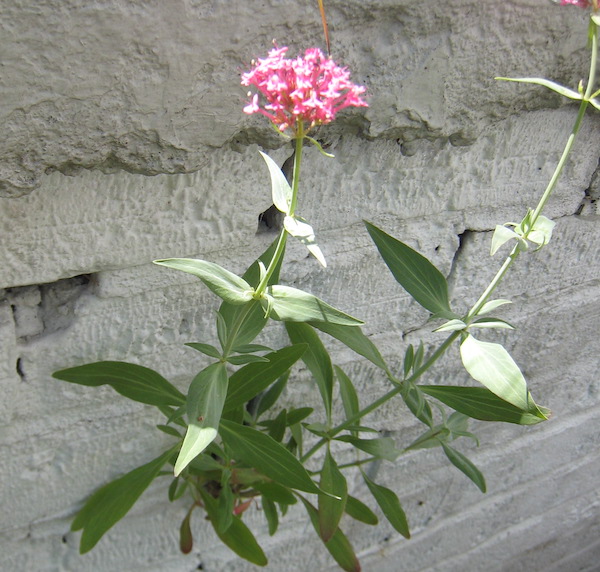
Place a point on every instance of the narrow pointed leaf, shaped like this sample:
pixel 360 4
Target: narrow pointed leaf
pixel 238 536
pixel 316 359
pixel 227 285
pixel 390 506
pixel 354 338
pixel 417 403
pixel 205 349
pixel 481 403
pixel 358 510
pixel 501 236
pixel 338 546
pixel 271 515
pixel 466 466
pixel 276 492
pixel 254 319
pixel 546 83
pixel 331 508
pixel 451 326
pixel 205 401
pixel 417 275
pixel 496 323
pixel 133 381
pixel 111 503
pixel 280 188
pixel 267 456
pixel 381 447
pixel 492 305
pixel 492 366
pixel 246 359
pixel 293 305
pixel 253 378
pixel 300 229
pixel 269 397
pixel 348 393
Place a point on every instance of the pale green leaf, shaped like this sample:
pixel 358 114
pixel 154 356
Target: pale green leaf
pixel 293 305
pixel 451 326
pixel 492 305
pixel 228 286
pixel 205 400
pixel 496 323
pixel 381 447
pixel 501 236
pixel 281 190
pixel 546 83
pixel 542 231
pixel 491 365
pixel 300 229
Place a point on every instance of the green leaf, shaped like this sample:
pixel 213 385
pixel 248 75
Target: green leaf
pixel 421 279
pixel 546 83
pixel 281 190
pixel 417 403
pixel 293 305
pixel 316 359
pixel 245 359
pixel 492 305
pixel 169 430
pixel 348 394
pixel 271 515
pixel 542 231
pixel 465 465
pixel 133 381
pixel 451 326
pixel 275 492
pixel 206 397
pixel 431 438
pixel 501 236
pixel 492 366
pixel 481 403
pixel 250 380
pixel 382 447
pixel 269 397
pixel 111 503
pixel 331 508
pixel 251 349
pixel 409 358
pixel 278 425
pixel 238 536
pixel 390 506
pixel 206 349
pixel 338 545
pixel 267 456
pixel 225 504
pixel 358 510
pixel 300 229
pixel 495 323
pixel 354 338
pixel 254 318
pixel 226 285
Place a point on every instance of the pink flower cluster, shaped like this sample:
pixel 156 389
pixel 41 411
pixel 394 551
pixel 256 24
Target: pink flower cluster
pixel 309 89
pixel 580 3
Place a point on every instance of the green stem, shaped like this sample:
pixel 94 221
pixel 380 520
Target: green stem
pixel 241 317
pixel 294 200
pixel 551 185
pixel 384 398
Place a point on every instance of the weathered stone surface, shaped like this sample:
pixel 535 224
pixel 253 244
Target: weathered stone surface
pixel 124 141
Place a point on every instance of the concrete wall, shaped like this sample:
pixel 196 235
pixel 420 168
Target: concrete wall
pixel 123 141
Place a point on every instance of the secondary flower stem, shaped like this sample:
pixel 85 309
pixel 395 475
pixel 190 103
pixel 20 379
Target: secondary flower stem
pixel 283 236
pixel 384 398
pixel 552 184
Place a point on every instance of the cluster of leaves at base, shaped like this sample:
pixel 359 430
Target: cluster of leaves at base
pixel 234 453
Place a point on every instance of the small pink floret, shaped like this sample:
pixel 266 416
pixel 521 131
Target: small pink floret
pixel 580 3
pixel 311 89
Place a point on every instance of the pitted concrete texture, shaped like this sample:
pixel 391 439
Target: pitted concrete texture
pixel 123 141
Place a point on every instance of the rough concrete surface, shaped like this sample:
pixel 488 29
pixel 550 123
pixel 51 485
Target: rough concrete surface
pixel 123 141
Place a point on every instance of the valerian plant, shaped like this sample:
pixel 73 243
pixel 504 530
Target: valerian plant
pixel 236 447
